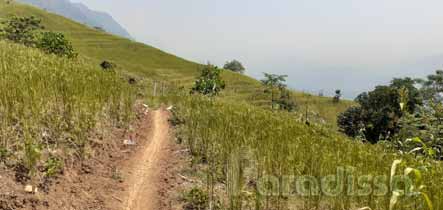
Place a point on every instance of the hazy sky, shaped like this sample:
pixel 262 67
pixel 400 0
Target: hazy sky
pixel 321 44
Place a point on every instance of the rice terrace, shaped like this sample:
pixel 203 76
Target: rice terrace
pixel 272 105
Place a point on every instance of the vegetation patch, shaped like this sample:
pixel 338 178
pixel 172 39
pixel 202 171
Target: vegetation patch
pixel 247 148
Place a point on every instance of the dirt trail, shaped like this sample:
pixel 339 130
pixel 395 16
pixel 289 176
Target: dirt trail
pixel 144 178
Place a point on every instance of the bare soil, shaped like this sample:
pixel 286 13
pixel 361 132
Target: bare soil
pixel 143 176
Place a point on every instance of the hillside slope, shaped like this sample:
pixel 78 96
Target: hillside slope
pixel 149 63
pixel 80 13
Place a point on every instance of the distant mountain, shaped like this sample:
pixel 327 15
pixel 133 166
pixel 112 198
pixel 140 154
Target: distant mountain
pixel 81 13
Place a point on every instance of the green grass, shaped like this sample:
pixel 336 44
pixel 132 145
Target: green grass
pixel 149 63
pixel 239 144
pixel 52 104
pixel 48 104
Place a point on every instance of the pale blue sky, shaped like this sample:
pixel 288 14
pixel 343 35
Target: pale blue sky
pixel 321 44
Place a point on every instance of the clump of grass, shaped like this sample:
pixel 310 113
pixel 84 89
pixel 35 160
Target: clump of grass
pixel 49 103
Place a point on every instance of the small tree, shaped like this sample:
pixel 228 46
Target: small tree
pixel 21 30
pixel 337 96
pixel 234 66
pixel 273 82
pixel 209 82
pixel 56 43
pixel 285 102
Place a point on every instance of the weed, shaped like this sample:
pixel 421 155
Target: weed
pixel 53 166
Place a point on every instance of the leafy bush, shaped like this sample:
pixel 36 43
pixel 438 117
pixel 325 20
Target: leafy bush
pixel 209 82
pixel 381 109
pixel 286 102
pixel 56 43
pixel 350 122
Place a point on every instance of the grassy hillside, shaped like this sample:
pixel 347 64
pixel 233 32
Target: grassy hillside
pixel 49 106
pixel 239 149
pixel 149 63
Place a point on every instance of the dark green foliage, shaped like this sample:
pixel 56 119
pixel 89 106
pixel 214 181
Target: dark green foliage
pixel 274 80
pixel 21 30
pixel 350 122
pixel 56 43
pixel 421 131
pixel 380 110
pixel 432 87
pixel 209 82
pixel 234 66
pixel 107 65
pixel 286 102
pixel 337 96
pixel 196 199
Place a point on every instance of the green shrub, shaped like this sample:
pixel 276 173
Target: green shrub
pixel 350 122
pixel 381 109
pixel 57 44
pixel 286 102
pixel 209 82
pixel 53 166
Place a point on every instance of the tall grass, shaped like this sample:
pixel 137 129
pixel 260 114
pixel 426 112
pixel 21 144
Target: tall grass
pixel 276 144
pixel 49 103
